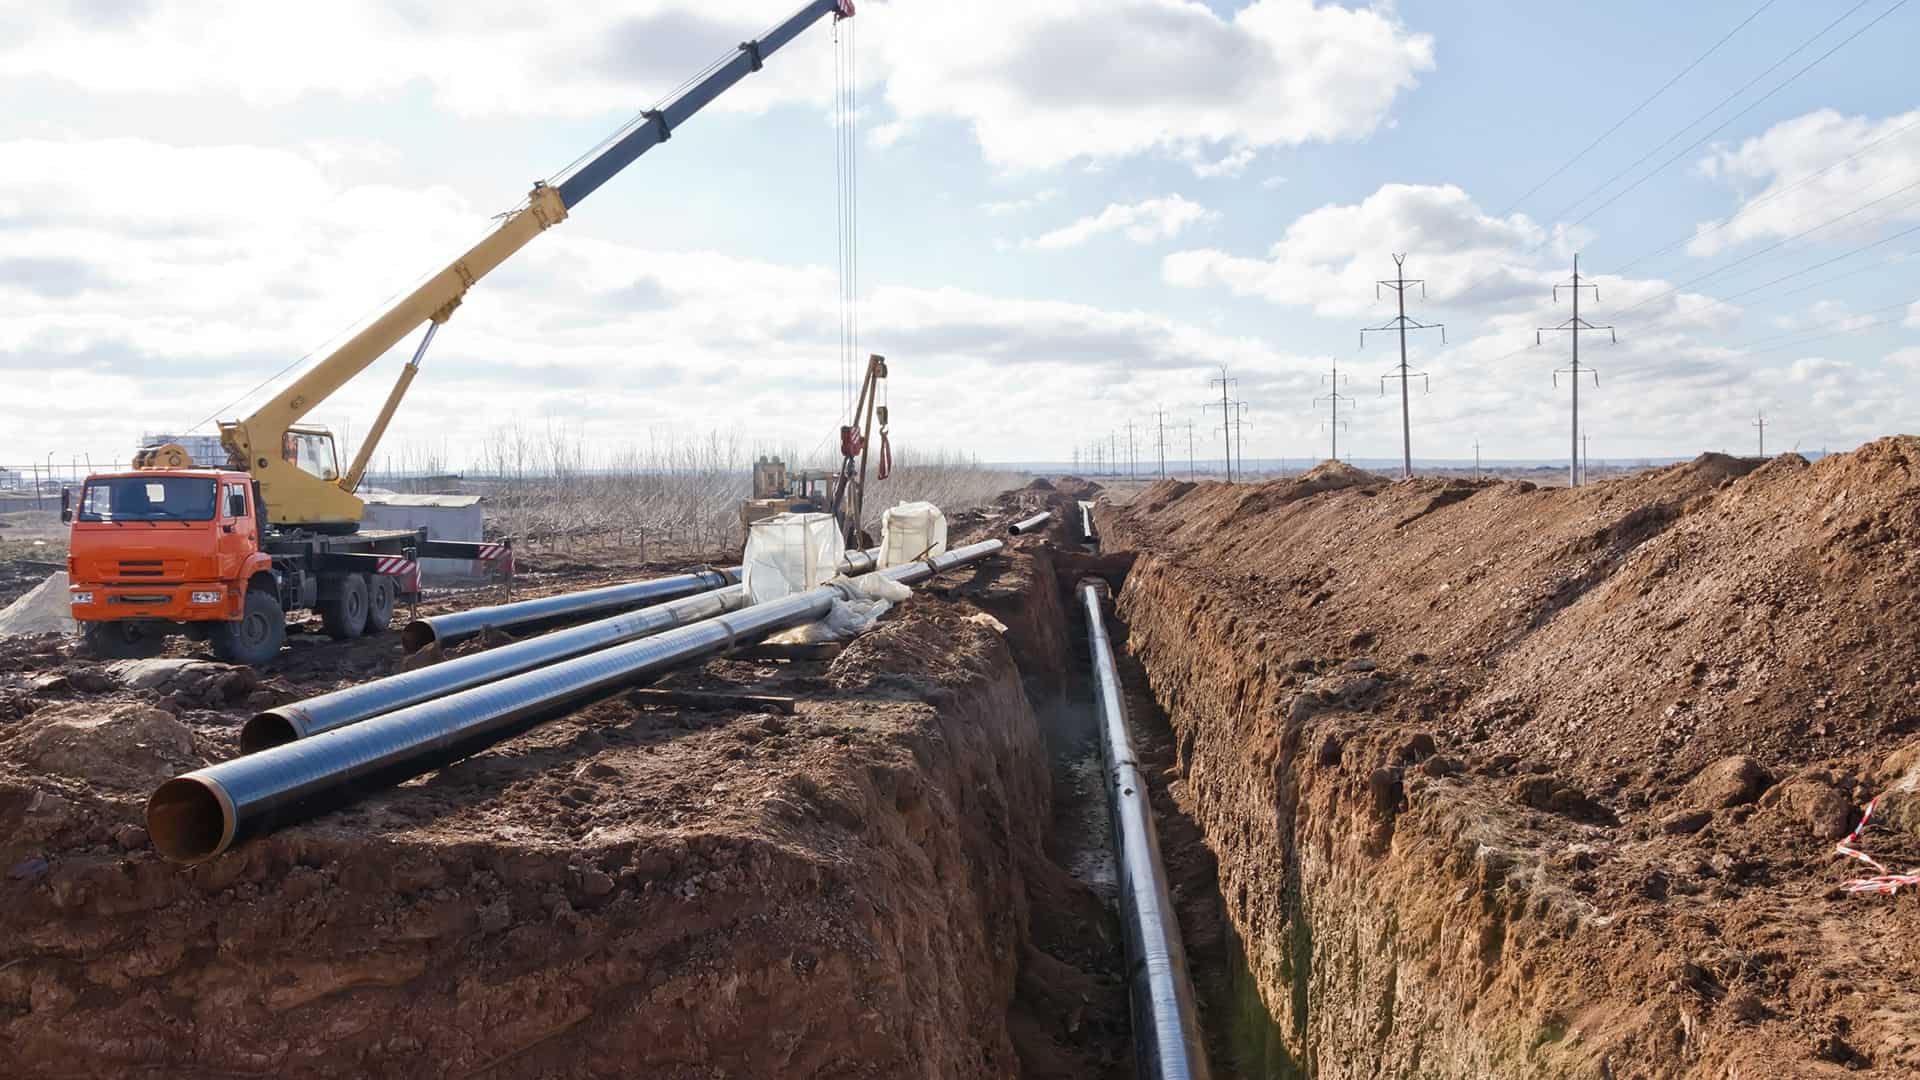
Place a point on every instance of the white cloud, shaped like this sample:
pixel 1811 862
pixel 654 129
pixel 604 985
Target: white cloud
pixel 1234 164
pixel 1020 206
pixel 1913 316
pixel 1788 186
pixel 1141 222
pixel 1047 82
pixel 1908 357
pixel 125 284
pixel 1039 84
pixel 1329 259
pixel 1273 183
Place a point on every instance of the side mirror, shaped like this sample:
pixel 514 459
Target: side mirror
pixel 66 505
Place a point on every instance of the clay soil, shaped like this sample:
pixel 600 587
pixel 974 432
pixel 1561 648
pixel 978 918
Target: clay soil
pixel 863 889
pixel 1519 782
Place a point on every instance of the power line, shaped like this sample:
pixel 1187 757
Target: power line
pixel 1574 325
pixel 1160 418
pixel 1760 422
pixel 1402 324
pixel 1226 414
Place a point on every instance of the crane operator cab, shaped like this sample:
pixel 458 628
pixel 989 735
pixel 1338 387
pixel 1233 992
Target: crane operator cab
pixel 311 450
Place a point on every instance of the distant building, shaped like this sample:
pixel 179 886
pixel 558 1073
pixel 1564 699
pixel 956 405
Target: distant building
pixel 10 480
pixel 204 449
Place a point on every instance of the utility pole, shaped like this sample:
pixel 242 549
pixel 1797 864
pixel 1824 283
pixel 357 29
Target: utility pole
pixel 1190 470
pixel 1334 397
pixel 1160 419
pixel 1133 458
pixel 1760 422
pixel 1402 324
pixel 1574 326
pixel 1113 458
pixel 1226 416
pixel 1239 436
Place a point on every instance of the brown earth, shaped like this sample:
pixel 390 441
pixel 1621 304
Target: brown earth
pixel 1518 782
pixel 862 889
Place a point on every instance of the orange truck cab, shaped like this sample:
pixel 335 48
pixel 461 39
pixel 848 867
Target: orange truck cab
pixel 154 552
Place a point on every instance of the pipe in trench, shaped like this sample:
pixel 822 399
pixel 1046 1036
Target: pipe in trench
pixel 202 813
pixel 1167 1042
pixel 1032 524
pixel 1086 523
pixel 548 610
pixel 303 719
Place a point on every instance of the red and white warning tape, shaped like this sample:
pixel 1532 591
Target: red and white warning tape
pixel 1884 882
pixel 398 565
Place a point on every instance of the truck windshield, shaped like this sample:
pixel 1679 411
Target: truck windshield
pixel 148 498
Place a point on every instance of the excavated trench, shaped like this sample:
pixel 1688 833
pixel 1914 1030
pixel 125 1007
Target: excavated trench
pixel 910 877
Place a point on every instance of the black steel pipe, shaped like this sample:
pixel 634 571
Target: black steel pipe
pixel 544 611
pixel 1032 524
pixel 203 813
pixel 302 719
pixel 548 610
pixel 1167 1042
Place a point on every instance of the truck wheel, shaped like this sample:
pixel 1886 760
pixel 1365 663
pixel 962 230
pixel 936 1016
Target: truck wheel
pixel 343 605
pixel 128 640
pixel 380 596
pixel 258 634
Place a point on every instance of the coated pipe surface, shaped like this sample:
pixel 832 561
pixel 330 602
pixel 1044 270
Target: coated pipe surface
pixel 545 610
pixel 1086 523
pixel 203 813
pixel 1167 1043
pixel 302 719
pixel 1021 528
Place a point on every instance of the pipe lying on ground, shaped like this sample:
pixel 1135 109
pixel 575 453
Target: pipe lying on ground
pixel 1032 524
pixel 302 719
pixel 203 813
pixel 542 611
pixel 546 610
pixel 1166 1027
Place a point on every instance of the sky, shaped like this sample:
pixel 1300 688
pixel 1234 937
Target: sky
pixel 1070 215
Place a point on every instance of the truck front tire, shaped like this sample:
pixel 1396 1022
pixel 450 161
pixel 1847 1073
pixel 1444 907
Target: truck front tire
pixel 258 634
pixel 343 606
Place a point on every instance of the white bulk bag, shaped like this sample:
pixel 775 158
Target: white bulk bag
pixel 790 553
pixel 910 532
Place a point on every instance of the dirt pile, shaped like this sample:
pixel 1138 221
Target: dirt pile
pixel 43 609
pixel 632 888
pixel 1526 782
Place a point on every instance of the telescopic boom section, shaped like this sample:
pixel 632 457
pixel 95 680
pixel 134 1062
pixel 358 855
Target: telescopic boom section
pixel 296 497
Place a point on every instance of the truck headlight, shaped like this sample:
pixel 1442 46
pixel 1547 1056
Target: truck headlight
pixel 206 597
pixel 83 598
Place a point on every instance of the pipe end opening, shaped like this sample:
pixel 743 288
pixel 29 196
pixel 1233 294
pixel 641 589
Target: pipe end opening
pixel 266 731
pixel 417 635
pixel 189 820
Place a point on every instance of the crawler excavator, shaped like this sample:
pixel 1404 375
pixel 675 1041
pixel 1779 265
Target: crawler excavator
pixel 222 552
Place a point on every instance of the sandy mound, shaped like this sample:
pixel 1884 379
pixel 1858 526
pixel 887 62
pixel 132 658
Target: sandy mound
pixel 127 748
pixel 44 610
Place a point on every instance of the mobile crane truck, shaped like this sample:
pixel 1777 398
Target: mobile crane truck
pixel 223 553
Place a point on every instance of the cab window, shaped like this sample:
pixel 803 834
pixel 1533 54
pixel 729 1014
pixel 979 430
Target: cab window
pixel 311 453
pixel 236 500
pixel 147 498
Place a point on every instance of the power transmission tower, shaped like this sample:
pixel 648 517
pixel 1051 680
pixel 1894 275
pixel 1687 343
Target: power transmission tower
pixel 1476 459
pixel 1574 326
pixel 1076 461
pixel 1760 422
pixel 1190 470
pixel 1133 458
pixel 1402 324
pixel 1334 397
pixel 1160 419
pixel 1226 415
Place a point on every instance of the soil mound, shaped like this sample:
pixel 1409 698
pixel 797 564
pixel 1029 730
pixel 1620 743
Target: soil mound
pixel 123 748
pixel 1039 483
pixel 1333 475
pixel 1590 747
pixel 43 610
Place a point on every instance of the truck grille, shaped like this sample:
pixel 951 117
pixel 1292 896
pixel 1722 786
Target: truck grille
pixel 153 569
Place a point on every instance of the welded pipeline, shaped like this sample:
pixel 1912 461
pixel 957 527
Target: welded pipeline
pixel 1086 523
pixel 523 615
pixel 1032 524
pixel 1167 1043
pixel 203 813
pixel 302 719
pixel 547 610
